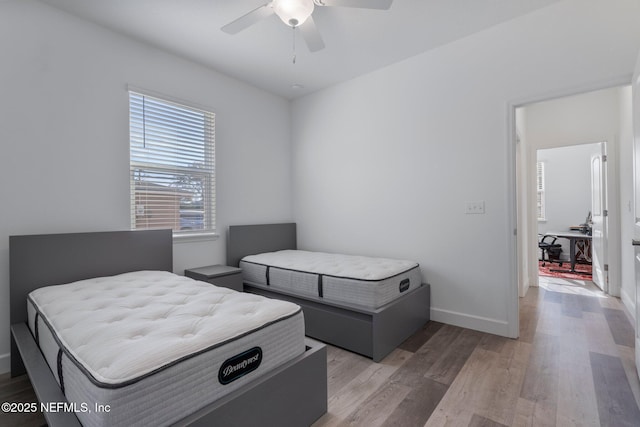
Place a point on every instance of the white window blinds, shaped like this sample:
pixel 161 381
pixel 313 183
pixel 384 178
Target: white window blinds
pixel 541 195
pixel 172 174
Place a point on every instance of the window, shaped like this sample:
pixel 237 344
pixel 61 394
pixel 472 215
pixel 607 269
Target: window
pixel 172 174
pixel 541 196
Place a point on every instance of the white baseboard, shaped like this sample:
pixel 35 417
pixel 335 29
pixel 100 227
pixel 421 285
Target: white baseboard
pixel 534 282
pixel 524 288
pixel 5 363
pixel 478 323
pixel 629 304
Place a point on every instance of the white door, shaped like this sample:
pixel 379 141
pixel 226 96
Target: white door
pixel 636 186
pixel 599 218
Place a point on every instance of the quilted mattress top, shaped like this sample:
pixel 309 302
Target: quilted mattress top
pixel 122 327
pixel 337 265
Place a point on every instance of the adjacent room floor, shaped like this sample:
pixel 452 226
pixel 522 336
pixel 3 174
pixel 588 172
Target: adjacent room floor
pixel 572 365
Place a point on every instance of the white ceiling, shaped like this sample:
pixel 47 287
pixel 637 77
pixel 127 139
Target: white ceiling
pixel 357 40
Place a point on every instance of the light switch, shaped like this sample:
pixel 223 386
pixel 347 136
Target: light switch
pixel 476 207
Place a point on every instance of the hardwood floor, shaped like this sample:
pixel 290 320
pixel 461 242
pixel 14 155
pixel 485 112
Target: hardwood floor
pixel 573 365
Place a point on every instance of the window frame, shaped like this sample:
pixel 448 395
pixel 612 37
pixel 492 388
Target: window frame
pixel 208 171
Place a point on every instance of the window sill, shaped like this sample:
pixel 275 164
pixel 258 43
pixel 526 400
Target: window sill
pixel 195 237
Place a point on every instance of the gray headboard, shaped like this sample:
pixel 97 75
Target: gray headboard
pixel 245 240
pixel 52 259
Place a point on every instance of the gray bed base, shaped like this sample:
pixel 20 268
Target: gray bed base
pixel 293 394
pixel 371 332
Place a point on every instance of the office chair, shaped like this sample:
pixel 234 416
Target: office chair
pixel 551 249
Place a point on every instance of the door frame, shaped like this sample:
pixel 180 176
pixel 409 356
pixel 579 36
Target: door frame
pixel 518 259
pixel 605 185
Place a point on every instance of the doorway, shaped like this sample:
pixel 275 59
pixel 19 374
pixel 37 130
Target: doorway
pixel 570 121
pixel 571 207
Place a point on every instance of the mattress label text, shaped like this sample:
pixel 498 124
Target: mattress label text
pixel 240 365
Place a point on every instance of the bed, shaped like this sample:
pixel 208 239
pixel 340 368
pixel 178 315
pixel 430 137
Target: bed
pixel 131 272
pixel 371 328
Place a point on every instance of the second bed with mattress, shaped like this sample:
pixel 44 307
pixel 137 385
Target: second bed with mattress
pixel 363 281
pixel 153 346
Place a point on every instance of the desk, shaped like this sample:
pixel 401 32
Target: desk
pixel 573 237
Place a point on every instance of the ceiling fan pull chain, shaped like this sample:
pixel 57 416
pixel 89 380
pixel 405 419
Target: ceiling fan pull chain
pixel 294 43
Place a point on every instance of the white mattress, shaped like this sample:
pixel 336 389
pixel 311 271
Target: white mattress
pixel 156 346
pixel 358 280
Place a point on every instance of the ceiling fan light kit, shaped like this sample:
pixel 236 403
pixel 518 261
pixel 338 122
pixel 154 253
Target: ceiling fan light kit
pixel 293 12
pixel 297 14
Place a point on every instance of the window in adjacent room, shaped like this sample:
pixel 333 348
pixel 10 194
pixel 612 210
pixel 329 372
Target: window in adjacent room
pixel 172 174
pixel 541 196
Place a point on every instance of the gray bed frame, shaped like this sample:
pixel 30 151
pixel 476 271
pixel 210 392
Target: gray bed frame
pixel 293 394
pixel 371 332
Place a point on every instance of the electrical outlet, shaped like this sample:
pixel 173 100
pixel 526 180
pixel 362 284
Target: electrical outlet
pixel 476 207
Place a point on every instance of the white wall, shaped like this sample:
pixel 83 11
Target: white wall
pixel 574 120
pixel 627 218
pixel 384 163
pixel 522 179
pixel 64 135
pixel 567 188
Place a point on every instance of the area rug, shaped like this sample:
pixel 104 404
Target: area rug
pixel 583 271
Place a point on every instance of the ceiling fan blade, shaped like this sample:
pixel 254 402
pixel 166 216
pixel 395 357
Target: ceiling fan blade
pixel 311 35
pixel 361 4
pixel 247 20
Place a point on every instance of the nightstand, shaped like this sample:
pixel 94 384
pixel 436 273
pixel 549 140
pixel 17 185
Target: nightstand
pixel 219 275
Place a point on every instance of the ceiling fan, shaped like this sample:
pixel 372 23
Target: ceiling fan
pixel 297 14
